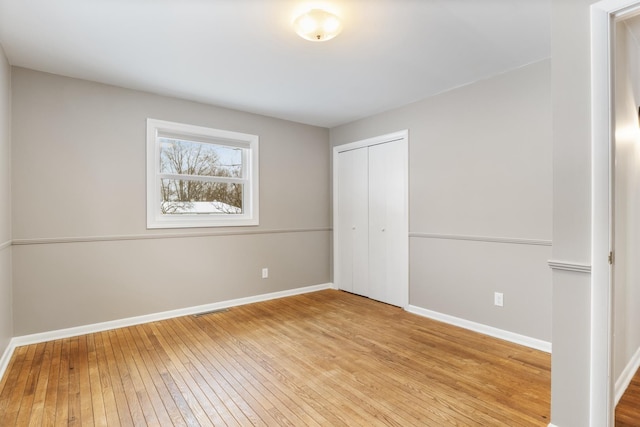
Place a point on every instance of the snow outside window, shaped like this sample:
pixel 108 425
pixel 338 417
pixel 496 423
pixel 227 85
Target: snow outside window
pixel 200 177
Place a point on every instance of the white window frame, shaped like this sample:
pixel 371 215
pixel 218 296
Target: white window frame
pixel 250 179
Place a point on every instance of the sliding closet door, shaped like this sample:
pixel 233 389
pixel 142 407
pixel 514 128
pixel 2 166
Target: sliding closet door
pixel 351 221
pixel 388 225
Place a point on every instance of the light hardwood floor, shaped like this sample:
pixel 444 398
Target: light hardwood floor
pixel 325 358
pixel 628 409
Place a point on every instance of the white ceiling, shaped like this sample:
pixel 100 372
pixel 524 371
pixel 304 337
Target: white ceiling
pixel 243 54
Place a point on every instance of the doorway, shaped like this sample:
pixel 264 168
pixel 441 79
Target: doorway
pixel 626 205
pixel 608 120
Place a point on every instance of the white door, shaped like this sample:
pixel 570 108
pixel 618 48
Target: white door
pixel 352 241
pixel 371 244
pixel 388 227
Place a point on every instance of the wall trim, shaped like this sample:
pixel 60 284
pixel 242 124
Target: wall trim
pixel 626 376
pixel 147 318
pixel 5 245
pixel 511 240
pixel 112 238
pixel 6 357
pixel 381 139
pixel 569 266
pixel 483 329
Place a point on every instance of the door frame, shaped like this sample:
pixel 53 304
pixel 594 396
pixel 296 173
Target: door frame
pixel 605 15
pixel 402 135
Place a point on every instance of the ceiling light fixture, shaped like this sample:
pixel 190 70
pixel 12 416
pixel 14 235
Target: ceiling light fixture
pixel 317 25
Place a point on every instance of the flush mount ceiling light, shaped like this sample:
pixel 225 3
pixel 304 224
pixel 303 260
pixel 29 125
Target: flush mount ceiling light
pixel 317 25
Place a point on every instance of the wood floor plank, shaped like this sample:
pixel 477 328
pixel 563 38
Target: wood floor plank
pixel 9 383
pixel 75 411
pixel 62 400
pixel 85 347
pixel 93 386
pixel 205 402
pixel 628 409
pixel 283 399
pixel 129 391
pixel 37 409
pixel 285 402
pixel 324 358
pixel 51 394
pixel 157 370
pixel 212 378
pixel 468 362
pixel 12 408
pixel 289 354
pixel 189 388
pixel 101 384
pixel 144 371
pixel 136 384
pixel 26 404
pixel 356 372
pixel 116 381
pixel 170 378
pixel 370 383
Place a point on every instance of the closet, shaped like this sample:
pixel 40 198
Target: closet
pixel 371 227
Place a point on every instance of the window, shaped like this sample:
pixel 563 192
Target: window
pixel 200 177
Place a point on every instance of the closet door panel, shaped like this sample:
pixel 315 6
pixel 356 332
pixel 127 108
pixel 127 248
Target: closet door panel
pixel 352 270
pixel 388 226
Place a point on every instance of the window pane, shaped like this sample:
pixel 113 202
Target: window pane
pixel 198 158
pixel 180 196
pixel 200 177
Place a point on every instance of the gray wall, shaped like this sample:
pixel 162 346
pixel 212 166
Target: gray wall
pixel 627 202
pixel 82 253
pixel 571 86
pixel 480 167
pixel 6 314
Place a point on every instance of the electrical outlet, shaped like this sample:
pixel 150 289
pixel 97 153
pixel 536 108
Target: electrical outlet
pixel 498 299
pixel 265 273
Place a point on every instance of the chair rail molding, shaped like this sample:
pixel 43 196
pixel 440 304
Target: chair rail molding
pixel 569 266
pixel 113 238
pixel 487 239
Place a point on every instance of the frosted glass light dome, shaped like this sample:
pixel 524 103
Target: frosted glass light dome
pixel 317 25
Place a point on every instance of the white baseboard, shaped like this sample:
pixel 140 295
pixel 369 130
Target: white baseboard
pixel 626 376
pixel 130 321
pixel 483 329
pixel 552 425
pixel 6 357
